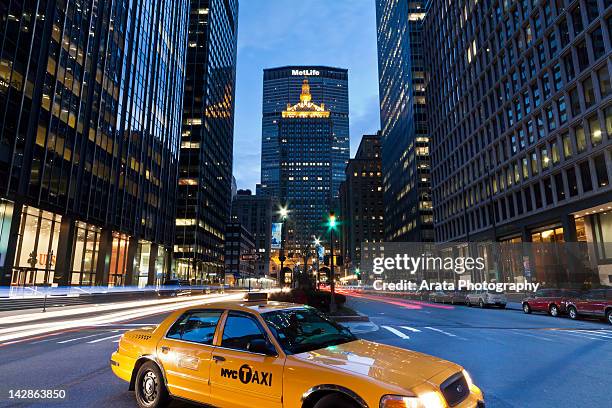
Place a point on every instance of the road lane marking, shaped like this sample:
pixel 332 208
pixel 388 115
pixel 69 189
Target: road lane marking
pixel 531 335
pixel 104 338
pixel 412 329
pixel 441 331
pixel 580 335
pixel 85 337
pixel 396 332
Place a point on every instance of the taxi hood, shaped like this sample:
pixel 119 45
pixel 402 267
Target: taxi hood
pixel 391 365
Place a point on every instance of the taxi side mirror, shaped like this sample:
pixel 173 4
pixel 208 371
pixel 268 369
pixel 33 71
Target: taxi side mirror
pixel 260 346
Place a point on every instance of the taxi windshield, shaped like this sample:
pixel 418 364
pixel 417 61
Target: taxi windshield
pixel 304 329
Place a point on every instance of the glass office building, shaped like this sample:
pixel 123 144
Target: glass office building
pixel 90 101
pixel 306 137
pixel 521 122
pixel 282 86
pixel 205 174
pixel 405 137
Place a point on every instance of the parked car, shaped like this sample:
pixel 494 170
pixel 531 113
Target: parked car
pixel 595 303
pixel 458 297
pixel 439 296
pixel 484 298
pixel 175 287
pixel 551 301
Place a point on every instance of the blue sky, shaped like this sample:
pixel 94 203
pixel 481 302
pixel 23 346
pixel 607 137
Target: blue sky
pixel 273 33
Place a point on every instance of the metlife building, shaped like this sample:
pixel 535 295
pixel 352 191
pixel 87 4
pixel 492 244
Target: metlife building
pixel 282 86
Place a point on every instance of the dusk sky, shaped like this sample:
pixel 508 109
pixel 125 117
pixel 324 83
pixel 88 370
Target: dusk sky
pixel 271 33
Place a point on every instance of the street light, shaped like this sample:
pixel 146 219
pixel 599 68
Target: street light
pixel 283 211
pixel 332 226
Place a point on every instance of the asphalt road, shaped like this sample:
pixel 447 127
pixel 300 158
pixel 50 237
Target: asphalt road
pixel 518 360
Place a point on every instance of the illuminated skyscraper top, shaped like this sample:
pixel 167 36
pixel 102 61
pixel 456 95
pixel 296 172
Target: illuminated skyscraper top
pixel 282 87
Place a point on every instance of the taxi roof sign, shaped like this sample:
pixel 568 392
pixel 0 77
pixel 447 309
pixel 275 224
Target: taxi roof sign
pixel 256 297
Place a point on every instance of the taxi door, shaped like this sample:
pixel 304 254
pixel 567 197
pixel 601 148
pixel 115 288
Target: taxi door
pixel 240 378
pixel 185 353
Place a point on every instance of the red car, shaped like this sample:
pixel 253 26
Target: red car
pixel 551 301
pixel 595 303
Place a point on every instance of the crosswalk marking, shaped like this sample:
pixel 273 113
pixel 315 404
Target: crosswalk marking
pixel 104 338
pixel 412 329
pixel 441 331
pixel 582 335
pixel 84 337
pixel 396 332
pixel 593 333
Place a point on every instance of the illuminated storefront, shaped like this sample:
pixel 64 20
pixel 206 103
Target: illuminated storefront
pixel 36 247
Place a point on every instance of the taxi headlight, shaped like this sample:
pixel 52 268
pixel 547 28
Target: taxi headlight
pixel 427 400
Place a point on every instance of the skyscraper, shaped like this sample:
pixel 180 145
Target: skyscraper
pixel 282 86
pixel 521 113
pixel 305 134
pixel 90 96
pixel 361 201
pixel 405 139
pixel 205 174
pixel 256 213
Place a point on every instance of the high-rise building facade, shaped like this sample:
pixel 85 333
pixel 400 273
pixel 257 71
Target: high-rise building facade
pixel 306 140
pixel 239 245
pixel 405 138
pixel 361 202
pixel 282 86
pixel 256 213
pixel 205 173
pixel 521 117
pixel 90 101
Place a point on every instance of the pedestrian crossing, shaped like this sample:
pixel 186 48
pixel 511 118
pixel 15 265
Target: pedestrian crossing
pixel 411 333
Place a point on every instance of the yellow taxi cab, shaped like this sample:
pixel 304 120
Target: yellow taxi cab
pixel 272 355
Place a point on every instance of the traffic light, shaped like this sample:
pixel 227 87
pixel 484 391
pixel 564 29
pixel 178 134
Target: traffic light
pixel 332 223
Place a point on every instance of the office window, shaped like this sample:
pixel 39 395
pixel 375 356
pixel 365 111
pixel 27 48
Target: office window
pixel 568 63
pixel 580 139
pixel 597 41
pixel 591 10
pixel 589 92
pixel 559 188
pixel 544 157
pixel 574 101
pixel 577 20
pixel 567 145
pixel 601 170
pixel 585 176
pixel 604 81
pixel 571 182
pixel 595 129
pixel 583 56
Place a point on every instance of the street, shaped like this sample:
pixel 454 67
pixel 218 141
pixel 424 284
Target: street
pixel 518 360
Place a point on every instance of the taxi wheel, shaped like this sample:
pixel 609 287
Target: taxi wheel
pixel 573 313
pixel 609 316
pixel 151 391
pixel 553 310
pixel 481 304
pixel 526 308
pixel 335 401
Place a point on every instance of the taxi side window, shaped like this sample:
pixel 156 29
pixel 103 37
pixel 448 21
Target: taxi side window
pixel 196 326
pixel 239 330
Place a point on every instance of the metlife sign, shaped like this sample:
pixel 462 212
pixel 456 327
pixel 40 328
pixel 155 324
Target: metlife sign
pixel 305 72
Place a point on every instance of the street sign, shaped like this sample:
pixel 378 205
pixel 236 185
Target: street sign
pixel 249 257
